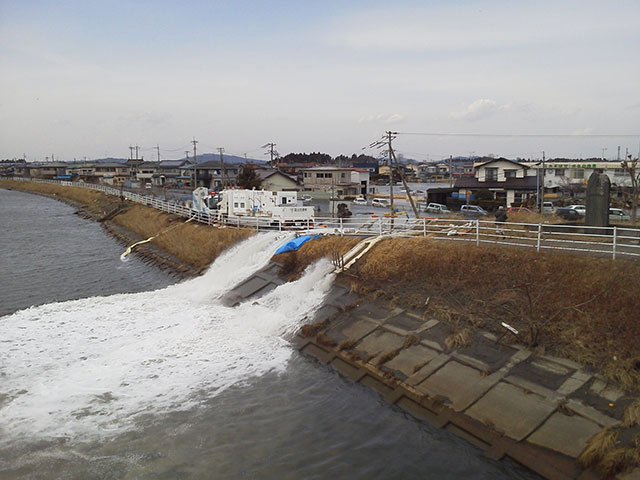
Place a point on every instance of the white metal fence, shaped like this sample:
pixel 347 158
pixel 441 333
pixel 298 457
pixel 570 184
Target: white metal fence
pixel 602 241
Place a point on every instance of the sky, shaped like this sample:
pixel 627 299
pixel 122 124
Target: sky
pixel 91 78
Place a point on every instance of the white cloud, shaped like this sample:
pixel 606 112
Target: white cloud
pixel 382 118
pixel 481 108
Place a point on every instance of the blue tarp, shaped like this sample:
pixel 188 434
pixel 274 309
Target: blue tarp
pixel 295 243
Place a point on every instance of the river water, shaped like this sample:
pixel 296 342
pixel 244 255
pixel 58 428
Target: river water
pixel 110 369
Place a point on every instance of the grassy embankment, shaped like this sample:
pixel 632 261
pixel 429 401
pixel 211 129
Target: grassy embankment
pixel 195 244
pixel 581 308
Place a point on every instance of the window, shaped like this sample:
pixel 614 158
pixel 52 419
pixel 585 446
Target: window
pixel 620 172
pixel 306 175
pixel 342 175
pixel 578 173
pixel 328 175
pixel 320 175
pixel 559 172
pixel 491 174
pixel 235 204
pixel 241 204
pixel 510 173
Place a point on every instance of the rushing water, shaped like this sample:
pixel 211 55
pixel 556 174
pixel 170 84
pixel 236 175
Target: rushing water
pixel 97 381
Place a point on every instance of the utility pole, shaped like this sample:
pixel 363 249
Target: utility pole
pixel 130 152
pixel 406 187
pixel 157 147
pixel 603 150
pixel 450 171
pixel 271 152
pixel 137 147
pixel 195 163
pixel 542 183
pixel 391 209
pixel 221 150
pixel 618 152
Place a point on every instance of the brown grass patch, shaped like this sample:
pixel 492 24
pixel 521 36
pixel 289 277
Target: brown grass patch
pixel 94 201
pixel 632 414
pixel 458 339
pixel 325 341
pixel 314 250
pixel 601 444
pixel 193 243
pixel 348 344
pixel 312 329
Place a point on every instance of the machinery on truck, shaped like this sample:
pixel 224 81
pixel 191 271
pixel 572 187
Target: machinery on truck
pixel 250 206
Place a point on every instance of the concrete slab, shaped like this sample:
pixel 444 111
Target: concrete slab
pixel 574 382
pixel 358 329
pixel 462 385
pixel 592 414
pixel 411 357
pixel 428 369
pixel 378 342
pixel 565 434
pixel 512 410
pixel 405 322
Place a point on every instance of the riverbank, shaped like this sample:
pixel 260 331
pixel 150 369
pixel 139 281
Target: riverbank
pixel 181 247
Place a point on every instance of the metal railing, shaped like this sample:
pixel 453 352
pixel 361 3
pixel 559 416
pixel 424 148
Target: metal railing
pixel 612 241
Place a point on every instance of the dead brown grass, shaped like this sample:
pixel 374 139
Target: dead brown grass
pixel 581 308
pixel 310 252
pixel 94 201
pixel 632 414
pixel 598 446
pixel 458 339
pixel 194 243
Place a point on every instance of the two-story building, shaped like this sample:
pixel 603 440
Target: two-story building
pixel 339 181
pixel 210 174
pixel 509 181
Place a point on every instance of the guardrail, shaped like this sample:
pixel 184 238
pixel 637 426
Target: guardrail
pixel 612 241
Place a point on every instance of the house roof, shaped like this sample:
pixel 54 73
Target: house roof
pixel 172 163
pixel 525 183
pixel 264 173
pixel 499 160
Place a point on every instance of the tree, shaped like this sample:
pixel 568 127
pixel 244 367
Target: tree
pixel 632 167
pixel 248 178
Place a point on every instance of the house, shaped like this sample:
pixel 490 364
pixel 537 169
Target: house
pixel 275 180
pixel 340 181
pixel 510 181
pixel 172 173
pixel 145 172
pixel 210 174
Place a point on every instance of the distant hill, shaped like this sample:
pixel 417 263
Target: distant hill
pixel 207 157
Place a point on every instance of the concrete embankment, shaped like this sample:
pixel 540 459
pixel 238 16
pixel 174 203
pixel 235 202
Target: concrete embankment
pixel 550 414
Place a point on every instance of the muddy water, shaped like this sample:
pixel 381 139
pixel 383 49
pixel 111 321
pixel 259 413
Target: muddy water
pixel 115 373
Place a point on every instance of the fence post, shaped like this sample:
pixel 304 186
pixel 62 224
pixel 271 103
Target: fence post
pixel 257 224
pixel 615 241
pixel 539 237
pixel 477 231
pixel 424 227
pixel 341 230
pixel 279 225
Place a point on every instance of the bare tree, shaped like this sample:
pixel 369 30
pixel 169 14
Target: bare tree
pixel 632 167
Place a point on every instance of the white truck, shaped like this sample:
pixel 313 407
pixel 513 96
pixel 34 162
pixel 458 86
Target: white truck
pixel 273 207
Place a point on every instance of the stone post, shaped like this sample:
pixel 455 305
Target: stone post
pixel 598 200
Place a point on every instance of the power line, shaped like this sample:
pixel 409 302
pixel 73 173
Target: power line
pixel 521 135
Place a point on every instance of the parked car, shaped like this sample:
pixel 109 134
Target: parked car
pixel 473 210
pixel 581 209
pixel 569 213
pixel 619 215
pixel 547 207
pixel 380 202
pixel 360 201
pixel 437 208
pixel 518 210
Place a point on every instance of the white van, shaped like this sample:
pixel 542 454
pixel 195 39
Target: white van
pixel 547 207
pixel 360 201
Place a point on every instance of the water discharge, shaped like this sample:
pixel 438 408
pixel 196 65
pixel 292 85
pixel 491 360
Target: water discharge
pixel 92 367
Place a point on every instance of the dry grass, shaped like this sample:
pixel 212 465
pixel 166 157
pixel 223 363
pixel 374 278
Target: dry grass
pixel 582 308
pixel 196 244
pixel 310 252
pixel 598 446
pixel 632 414
pixel 94 201
pixel 312 329
pixel 458 339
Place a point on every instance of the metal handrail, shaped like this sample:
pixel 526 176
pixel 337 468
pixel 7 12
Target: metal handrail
pixel 592 240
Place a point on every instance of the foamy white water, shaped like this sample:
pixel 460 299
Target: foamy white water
pixel 89 367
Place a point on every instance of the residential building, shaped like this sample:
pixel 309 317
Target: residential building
pixel 510 181
pixel 340 181
pixel 209 174
pixel 275 180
